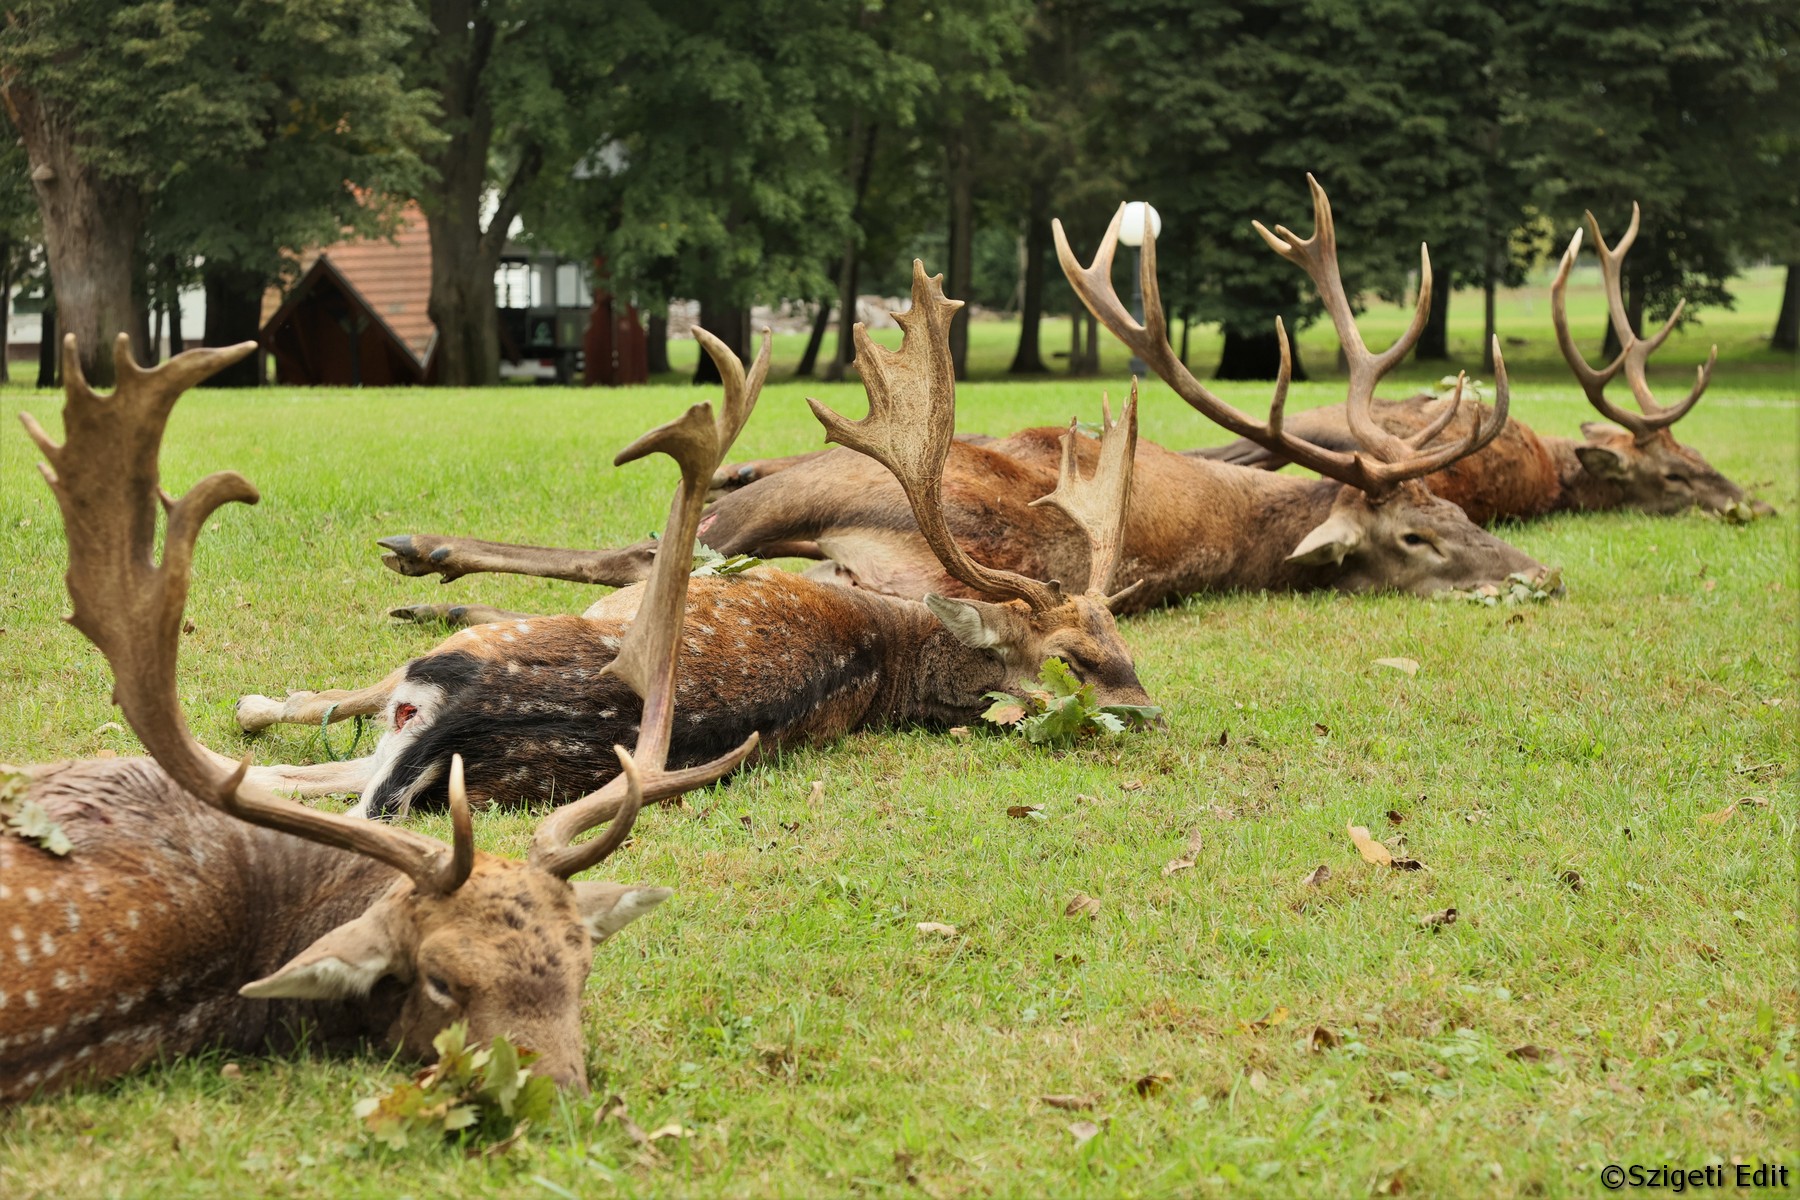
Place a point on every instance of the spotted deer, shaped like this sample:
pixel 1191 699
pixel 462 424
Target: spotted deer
pixel 196 908
pixel 527 705
pixel 1194 526
pixel 1633 464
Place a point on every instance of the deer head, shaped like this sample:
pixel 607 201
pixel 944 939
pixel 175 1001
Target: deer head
pixel 459 935
pixel 1385 530
pixel 909 429
pixel 1636 462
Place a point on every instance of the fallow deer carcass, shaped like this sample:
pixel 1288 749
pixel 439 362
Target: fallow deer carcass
pixel 1633 464
pixel 793 659
pixel 196 908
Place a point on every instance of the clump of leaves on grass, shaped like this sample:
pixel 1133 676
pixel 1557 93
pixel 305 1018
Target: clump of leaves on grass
pixel 1520 588
pixel 471 1094
pixel 26 819
pixel 1060 710
pixel 708 561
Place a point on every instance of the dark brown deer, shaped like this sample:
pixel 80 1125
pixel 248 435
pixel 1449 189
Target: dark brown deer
pixel 1635 463
pixel 526 704
pixel 1195 527
pixel 196 908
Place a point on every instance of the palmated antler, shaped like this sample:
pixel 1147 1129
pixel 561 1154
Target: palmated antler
pixel 648 655
pixel 1634 352
pixel 1385 460
pixel 1097 505
pixel 911 423
pixel 106 480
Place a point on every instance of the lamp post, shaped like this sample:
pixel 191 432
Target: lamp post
pixel 1131 233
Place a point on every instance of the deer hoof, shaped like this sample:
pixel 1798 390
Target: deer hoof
pixel 256 713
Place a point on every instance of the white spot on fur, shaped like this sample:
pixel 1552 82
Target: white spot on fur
pixel 132 918
pixel 507 637
pixel 607 714
pixel 22 952
pixel 33 896
pixel 18 933
pixel 512 668
pixel 522 627
pixel 31 999
pixel 63 981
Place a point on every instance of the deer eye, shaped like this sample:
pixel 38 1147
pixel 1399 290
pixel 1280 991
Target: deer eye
pixel 404 713
pixel 438 989
pixel 1672 477
pixel 1414 539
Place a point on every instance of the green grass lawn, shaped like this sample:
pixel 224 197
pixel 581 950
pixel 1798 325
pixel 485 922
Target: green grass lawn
pixel 1553 766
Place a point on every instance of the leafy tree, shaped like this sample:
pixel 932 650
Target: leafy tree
pixel 113 101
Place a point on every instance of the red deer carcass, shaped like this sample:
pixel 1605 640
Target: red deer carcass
pixel 1635 463
pixel 196 909
pixel 1194 526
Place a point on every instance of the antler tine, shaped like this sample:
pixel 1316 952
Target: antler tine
pixel 1634 352
pixel 1150 342
pixel 911 423
pixel 647 656
pixel 1419 462
pixel 1098 505
pixel 1317 256
pixel 106 482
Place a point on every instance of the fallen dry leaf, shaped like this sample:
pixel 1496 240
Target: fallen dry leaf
pixel 1407 864
pixel 231 1071
pixel 937 927
pixel 1149 1085
pixel 1409 665
pixel 1132 785
pixel 1224 737
pixel 1259 1083
pixel 1719 818
pixel 672 1129
pixel 961 732
pixel 1394 817
pixel 1321 730
pixel 1084 1131
pixel 1753 801
pixel 1571 880
pixel 614 1110
pixel 1006 714
pixel 745 821
pixel 1022 811
pixel 1439 920
pixel 1532 1054
pixel 1082 904
pixel 1273 1017
pixel 501 1148
pixel 1317 876
pixel 1084 798
pixel 1069 1103
pixel 1321 1039
pixel 817 793
pixel 1193 855
pixel 1371 850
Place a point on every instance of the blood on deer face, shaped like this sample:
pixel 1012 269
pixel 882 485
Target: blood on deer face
pixel 508 953
pixel 1409 541
pixel 1654 473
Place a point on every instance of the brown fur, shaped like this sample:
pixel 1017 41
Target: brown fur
pixel 1522 474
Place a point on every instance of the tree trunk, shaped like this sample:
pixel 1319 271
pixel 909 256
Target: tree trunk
pixel 961 270
pixel 1786 337
pixel 730 325
pixel 464 255
pixel 1029 358
pixel 47 356
pixel 1434 341
pixel 6 290
pixel 1187 325
pixel 1490 288
pixel 809 359
pixel 91 226
pixel 1255 356
pixel 846 342
pixel 233 315
pixel 656 345
pixel 1091 359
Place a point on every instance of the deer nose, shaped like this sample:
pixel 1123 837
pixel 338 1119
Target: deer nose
pixel 1762 508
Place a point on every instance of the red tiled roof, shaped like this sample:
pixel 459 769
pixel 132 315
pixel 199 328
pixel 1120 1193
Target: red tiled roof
pixel 394 276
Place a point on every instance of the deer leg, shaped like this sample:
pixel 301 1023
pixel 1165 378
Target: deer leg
pixel 456 616
pixel 319 779
pixel 314 708
pixel 452 558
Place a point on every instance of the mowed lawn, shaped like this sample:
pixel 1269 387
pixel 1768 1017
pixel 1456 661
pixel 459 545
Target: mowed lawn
pixel 1601 787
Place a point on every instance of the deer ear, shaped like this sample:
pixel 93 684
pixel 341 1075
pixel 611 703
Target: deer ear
pixel 345 962
pixel 607 908
pixel 1331 542
pixel 1595 431
pixel 976 623
pixel 1602 462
